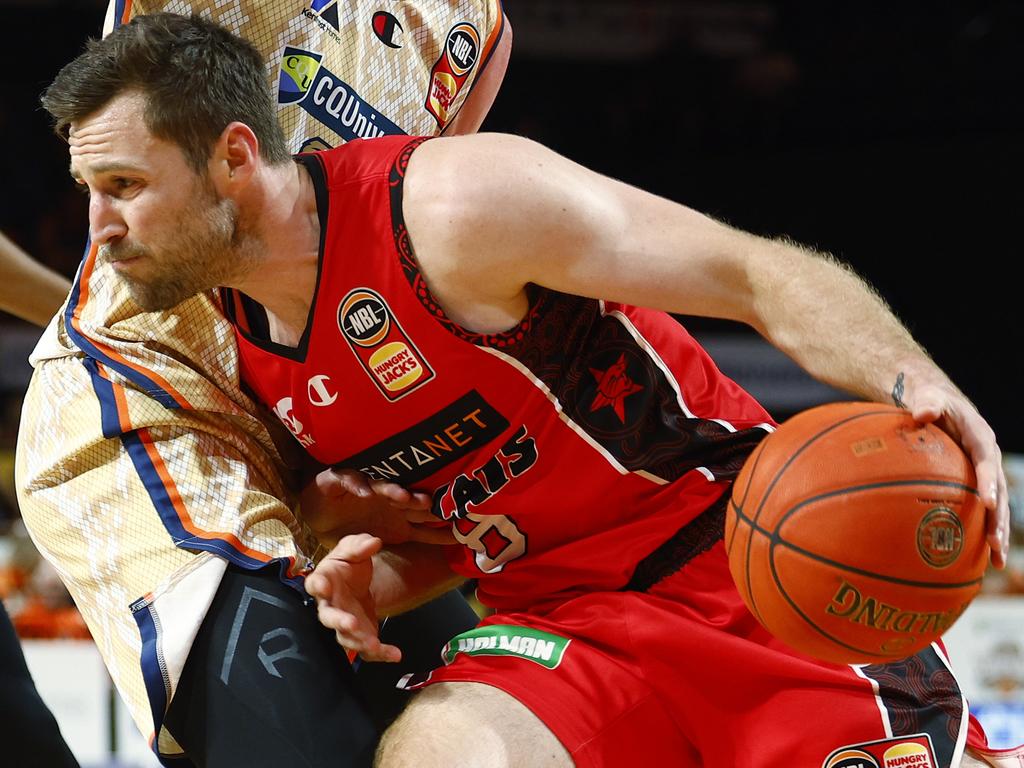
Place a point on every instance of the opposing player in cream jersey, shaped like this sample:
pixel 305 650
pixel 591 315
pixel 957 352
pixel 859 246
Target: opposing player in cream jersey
pixel 144 475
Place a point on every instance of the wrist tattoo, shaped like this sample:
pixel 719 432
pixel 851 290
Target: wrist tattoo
pixel 898 390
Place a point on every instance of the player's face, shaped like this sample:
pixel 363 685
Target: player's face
pixel 160 225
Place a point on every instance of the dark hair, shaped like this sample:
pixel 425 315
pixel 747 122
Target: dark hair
pixel 195 75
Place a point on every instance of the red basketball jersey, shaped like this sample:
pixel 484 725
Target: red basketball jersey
pixel 564 451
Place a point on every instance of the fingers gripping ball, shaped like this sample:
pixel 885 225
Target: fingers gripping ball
pixel 856 535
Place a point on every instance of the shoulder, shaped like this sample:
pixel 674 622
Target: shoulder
pixel 466 179
pixel 480 155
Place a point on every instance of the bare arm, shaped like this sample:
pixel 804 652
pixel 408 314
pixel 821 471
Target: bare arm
pixel 27 288
pixel 489 214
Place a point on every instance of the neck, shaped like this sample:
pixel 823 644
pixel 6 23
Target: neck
pixel 283 217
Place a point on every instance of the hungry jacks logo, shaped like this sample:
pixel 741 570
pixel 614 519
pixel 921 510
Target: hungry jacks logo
pixel 381 345
pixel 913 751
pixel 452 69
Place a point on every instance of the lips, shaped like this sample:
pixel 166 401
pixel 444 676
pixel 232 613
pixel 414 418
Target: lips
pixel 119 256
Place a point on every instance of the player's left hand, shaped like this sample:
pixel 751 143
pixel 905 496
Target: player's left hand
pixel 341 585
pixel 950 410
pixel 342 502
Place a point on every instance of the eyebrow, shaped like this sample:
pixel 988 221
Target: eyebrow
pixel 105 167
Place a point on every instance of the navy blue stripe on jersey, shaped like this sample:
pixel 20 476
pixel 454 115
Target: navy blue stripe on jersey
pixel 920 695
pixel 110 420
pixel 119 12
pixel 80 340
pixel 154 674
pixel 182 536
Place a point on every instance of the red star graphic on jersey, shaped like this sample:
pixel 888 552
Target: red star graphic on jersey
pixel 613 387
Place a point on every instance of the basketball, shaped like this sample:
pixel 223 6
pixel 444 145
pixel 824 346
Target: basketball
pixel 856 535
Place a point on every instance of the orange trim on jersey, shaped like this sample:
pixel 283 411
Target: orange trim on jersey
pixel 126 15
pixel 124 418
pixel 75 318
pixel 171 488
pixel 491 41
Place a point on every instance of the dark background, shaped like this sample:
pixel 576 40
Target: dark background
pixel 889 134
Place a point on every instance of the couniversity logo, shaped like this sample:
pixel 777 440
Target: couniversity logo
pixel 306 82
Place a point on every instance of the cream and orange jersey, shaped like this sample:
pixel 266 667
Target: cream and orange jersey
pixel 143 466
pixel 358 69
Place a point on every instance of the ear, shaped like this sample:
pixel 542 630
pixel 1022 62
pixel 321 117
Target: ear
pixel 235 159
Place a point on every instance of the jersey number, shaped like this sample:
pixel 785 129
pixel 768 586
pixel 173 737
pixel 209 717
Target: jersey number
pixel 494 538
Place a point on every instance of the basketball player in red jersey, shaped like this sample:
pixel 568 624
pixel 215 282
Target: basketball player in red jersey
pixel 426 312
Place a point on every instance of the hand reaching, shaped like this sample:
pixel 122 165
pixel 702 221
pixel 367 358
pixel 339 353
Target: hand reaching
pixel 341 585
pixel 342 502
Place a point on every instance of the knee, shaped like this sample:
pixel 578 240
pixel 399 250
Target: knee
pixel 469 725
pixel 428 732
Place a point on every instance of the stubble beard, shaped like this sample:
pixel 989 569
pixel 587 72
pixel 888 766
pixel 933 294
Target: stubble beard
pixel 208 250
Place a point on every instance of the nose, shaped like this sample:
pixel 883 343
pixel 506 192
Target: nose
pixel 106 225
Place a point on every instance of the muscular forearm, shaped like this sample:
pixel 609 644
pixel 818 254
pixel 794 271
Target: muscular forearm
pixel 27 288
pixel 832 323
pixel 408 575
pixel 840 330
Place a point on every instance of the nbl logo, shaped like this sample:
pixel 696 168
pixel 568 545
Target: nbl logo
pixel 852 758
pixel 462 47
pixel 381 345
pixel 363 318
pixel 914 751
pixel 452 69
pixel 940 537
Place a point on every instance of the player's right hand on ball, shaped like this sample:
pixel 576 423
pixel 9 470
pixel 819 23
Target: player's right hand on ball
pixel 949 409
pixel 341 585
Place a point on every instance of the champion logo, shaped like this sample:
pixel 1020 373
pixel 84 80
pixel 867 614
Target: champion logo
pixel 320 391
pixel 388 29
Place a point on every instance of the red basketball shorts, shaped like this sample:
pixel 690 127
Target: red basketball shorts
pixel 683 675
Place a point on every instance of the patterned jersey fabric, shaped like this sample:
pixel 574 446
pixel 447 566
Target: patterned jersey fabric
pixel 143 466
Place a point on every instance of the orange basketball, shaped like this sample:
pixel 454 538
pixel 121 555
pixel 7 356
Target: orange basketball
pixel 856 535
